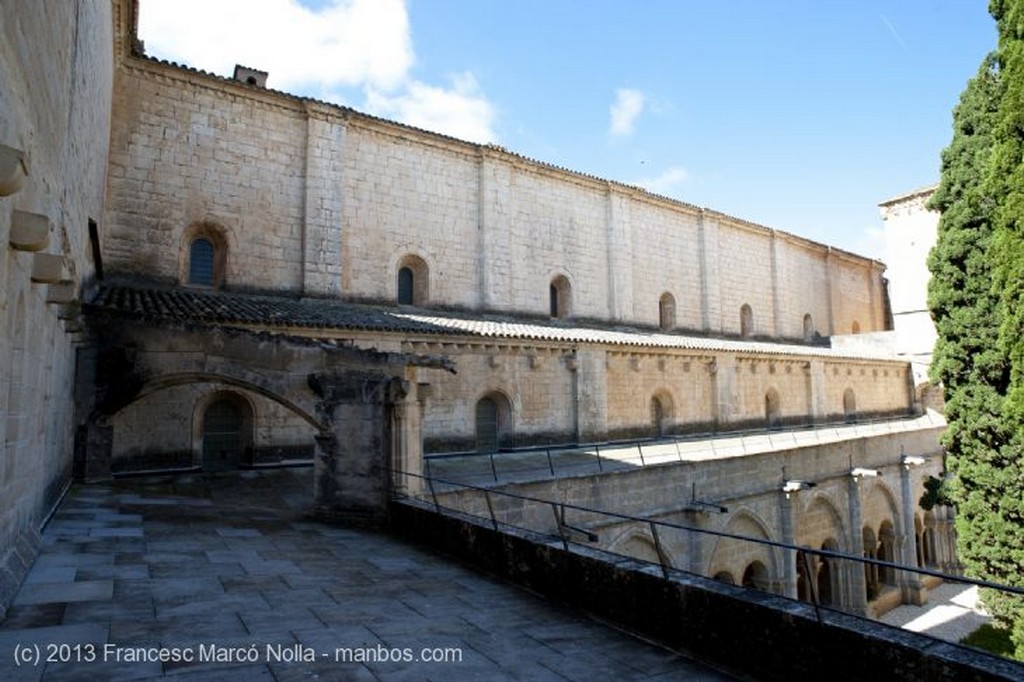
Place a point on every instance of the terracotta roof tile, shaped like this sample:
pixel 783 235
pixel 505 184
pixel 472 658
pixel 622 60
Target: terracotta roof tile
pixel 229 308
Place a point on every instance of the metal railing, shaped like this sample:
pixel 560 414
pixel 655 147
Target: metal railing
pixel 597 457
pixel 566 535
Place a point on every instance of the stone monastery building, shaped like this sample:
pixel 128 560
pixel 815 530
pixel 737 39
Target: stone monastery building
pixel 201 273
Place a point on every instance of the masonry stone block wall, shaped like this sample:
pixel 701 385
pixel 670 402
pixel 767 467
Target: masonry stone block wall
pixel 326 201
pixel 55 92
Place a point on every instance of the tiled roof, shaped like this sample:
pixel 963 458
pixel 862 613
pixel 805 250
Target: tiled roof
pixel 229 308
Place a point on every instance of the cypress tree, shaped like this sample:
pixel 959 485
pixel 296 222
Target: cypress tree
pixel 967 311
pixel 1005 183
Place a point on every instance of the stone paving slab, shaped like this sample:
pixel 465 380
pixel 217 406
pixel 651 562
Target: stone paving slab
pixel 227 572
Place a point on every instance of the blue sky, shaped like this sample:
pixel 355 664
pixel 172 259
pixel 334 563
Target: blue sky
pixel 797 114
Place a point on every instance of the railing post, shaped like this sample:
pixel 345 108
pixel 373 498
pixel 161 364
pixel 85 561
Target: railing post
pixel 662 557
pixel 812 585
pixel 433 494
pixel 490 508
pixel 550 465
pixel 494 470
pixel 597 450
pixel 640 449
pixel 558 524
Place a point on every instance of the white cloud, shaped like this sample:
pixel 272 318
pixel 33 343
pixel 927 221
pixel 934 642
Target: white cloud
pixel 460 110
pixel 361 44
pixel 628 105
pixel 665 183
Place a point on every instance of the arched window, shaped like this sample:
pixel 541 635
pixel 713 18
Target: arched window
pixel 405 286
pixel 808 327
pixel 226 433
pixel 204 255
pixel 413 284
pixel 560 297
pixel 849 405
pixel 746 320
pixel 493 422
pixel 202 262
pixel 772 408
pixel 667 311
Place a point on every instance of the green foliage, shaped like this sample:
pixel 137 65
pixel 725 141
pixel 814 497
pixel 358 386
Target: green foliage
pixel 936 491
pixel 977 300
pixel 992 639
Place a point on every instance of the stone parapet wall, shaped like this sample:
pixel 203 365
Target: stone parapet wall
pixel 56 73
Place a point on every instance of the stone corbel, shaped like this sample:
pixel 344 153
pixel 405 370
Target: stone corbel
pixel 29 231
pixel 48 268
pixel 62 293
pixel 13 170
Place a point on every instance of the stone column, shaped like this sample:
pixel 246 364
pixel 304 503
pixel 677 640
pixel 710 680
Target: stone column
pixel 618 256
pixel 913 590
pixel 322 211
pixel 589 370
pixel 857 599
pixel 818 410
pixel 829 293
pixel 777 317
pixel 352 452
pixel 786 503
pixel 407 441
pixel 711 304
pixel 723 374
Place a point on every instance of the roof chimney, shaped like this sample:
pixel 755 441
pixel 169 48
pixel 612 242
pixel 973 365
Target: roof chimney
pixel 243 74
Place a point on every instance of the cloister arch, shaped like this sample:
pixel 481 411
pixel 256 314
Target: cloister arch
pixel 736 556
pixel 636 543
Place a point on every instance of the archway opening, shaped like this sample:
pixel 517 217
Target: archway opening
pixel 746 320
pixel 227 433
pixel 756 576
pixel 560 297
pixel 493 422
pixel 772 409
pixel 849 405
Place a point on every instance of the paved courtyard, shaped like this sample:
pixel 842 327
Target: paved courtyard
pixel 224 578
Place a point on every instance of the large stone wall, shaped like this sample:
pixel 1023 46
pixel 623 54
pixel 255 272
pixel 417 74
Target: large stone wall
pixel 326 201
pixel 55 90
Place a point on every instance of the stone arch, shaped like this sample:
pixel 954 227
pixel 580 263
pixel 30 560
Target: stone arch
pixel 637 544
pixel 223 428
pixel 735 556
pixel 887 552
pixel 204 255
pixel 849 405
pixel 667 312
pixel 493 421
pixel 662 412
pixel 756 576
pixel 746 320
pixel 560 297
pixel 808 327
pixel 819 521
pixel 413 281
pixel 306 412
pixel 772 408
pixel 724 577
